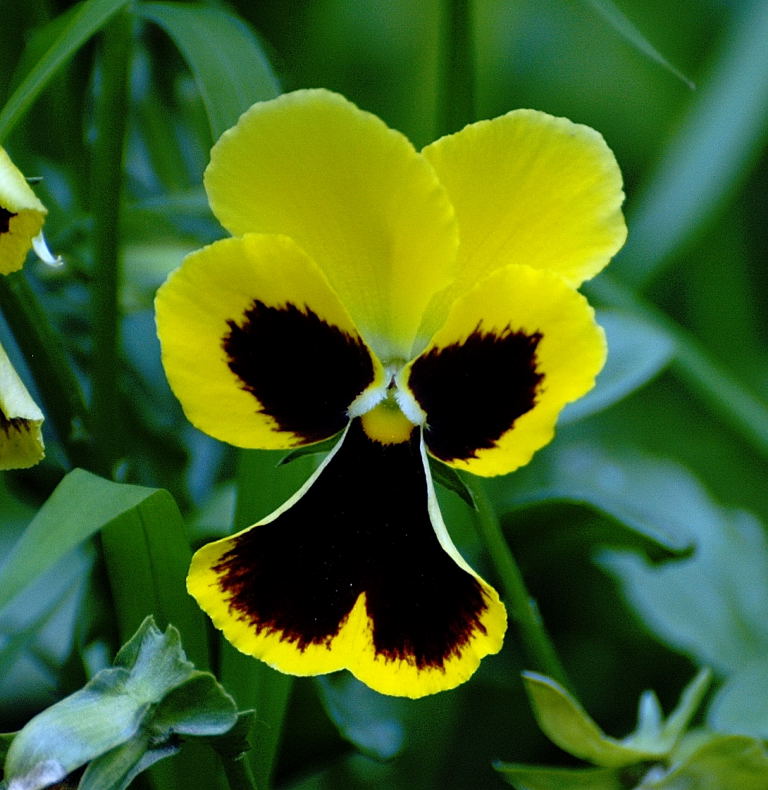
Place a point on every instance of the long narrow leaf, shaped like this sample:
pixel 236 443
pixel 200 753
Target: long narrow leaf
pixel 627 30
pixel 224 56
pixel 717 141
pixel 79 507
pixel 87 20
pixel 154 552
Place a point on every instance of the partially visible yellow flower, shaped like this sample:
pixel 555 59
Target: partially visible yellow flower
pixel 21 441
pixel 416 303
pixel 21 216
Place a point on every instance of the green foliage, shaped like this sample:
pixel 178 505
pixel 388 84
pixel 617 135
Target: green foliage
pixel 223 55
pixel 124 719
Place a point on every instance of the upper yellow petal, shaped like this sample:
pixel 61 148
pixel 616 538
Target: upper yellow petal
pixel 21 215
pixel 354 194
pixel 532 189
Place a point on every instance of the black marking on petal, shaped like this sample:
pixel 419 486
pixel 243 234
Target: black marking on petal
pixel 5 219
pixel 362 527
pixel 473 391
pixel 304 371
pixel 8 424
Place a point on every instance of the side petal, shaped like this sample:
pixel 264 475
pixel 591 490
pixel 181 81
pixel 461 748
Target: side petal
pixel 532 189
pixel 351 192
pixel 258 348
pixel 21 216
pixel 514 350
pixel 21 440
pixel 355 571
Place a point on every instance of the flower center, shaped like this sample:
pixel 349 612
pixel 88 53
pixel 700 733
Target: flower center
pixel 385 423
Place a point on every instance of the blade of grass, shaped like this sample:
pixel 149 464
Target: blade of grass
pixel 89 19
pixel 717 142
pixel 224 55
pixel 106 194
pixel 627 30
pixel 457 106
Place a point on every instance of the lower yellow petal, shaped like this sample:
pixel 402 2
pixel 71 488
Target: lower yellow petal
pixel 258 348
pixel 355 571
pixel 21 441
pixel 513 352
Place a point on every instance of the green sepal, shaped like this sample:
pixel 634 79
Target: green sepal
pixel 449 478
pixel 124 719
pixel 310 449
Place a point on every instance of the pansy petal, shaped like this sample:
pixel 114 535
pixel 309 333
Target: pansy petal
pixel 534 190
pixel 257 346
pixel 513 351
pixel 21 216
pixel 21 441
pixel 354 194
pixel 355 571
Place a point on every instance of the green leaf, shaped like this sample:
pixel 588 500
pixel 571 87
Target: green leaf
pixel 116 769
pixel 223 54
pixel 728 762
pixel 199 706
pixel 150 695
pixel 374 723
pixel 532 777
pixel 638 350
pixel 6 739
pixel 89 18
pixel 740 706
pixel 711 152
pixel 147 567
pixel 653 497
pixel 147 556
pixel 710 605
pixel 567 724
pixel 690 701
pixel 79 507
pixel 622 25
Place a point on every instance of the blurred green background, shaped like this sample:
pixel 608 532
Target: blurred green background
pixel 653 475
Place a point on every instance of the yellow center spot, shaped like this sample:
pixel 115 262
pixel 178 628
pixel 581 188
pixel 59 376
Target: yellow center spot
pixel 386 424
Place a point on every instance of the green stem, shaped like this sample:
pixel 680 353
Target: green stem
pixel 239 774
pixel 59 388
pixel 457 67
pixel 715 385
pixel 106 193
pixel 522 608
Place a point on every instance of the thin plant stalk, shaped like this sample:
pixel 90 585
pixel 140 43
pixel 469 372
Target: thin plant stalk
pixel 106 195
pixel 521 606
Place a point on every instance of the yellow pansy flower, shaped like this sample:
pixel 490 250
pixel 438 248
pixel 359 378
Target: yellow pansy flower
pixel 21 216
pixel 417 303
pixel 21 441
